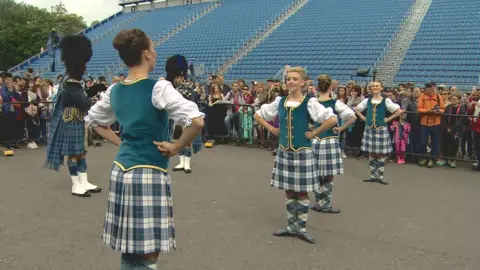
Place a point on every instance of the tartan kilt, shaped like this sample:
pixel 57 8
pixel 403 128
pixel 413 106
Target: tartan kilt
pixel 195 146
pixel 295 171
pixel 139 214
pixel 376 141
pixel 73 139
pixel 328 156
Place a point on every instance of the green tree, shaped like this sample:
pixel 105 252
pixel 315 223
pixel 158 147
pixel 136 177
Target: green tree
pixel 25 28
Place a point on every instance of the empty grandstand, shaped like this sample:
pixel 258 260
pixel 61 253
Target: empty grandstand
pixel 323 39
pixel 327 36
pixel 447 47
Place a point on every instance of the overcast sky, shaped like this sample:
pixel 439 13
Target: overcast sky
pixel 90 10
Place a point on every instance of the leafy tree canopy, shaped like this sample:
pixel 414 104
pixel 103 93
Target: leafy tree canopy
pixel 24 29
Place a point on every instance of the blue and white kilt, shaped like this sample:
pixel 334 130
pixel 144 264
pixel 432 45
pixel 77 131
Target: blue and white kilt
pixel 73 139
pixel 376 141
pixel 328 155
pixel 139 215
pixel 295 171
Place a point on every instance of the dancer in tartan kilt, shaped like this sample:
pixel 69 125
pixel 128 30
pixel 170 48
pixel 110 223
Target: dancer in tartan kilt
pixel 295 169
pixel 376 138
pixel 326 147
pixel 188 93
pixel 67 136
pixel 139 219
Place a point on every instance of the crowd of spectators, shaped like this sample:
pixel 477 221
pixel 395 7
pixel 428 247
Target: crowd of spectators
pixel 442 122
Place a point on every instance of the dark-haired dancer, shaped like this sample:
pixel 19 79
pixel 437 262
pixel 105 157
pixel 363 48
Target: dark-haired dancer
pixel 139 217
pixel 177 69
pixel 67 130
pixel 295 169
pixel 376 138
pixel 326 146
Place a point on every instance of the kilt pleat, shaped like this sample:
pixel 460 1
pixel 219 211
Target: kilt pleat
pixel 73 139
pixel 139 215
pixel 376 141
pixel 328 156
pixel 295 171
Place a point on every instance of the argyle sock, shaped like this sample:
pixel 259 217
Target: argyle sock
pixel 302 214
pixel 327 191
pixel 319 193
pixel 291 205
pixel 380 167
pixel 373 168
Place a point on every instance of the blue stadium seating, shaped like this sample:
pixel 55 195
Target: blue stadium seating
pixel 447 47
pixel 330 36
pixel 155 23
pixel 216 36
pixel 327 36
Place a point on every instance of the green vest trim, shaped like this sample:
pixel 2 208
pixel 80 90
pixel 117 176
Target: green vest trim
pixel 293 123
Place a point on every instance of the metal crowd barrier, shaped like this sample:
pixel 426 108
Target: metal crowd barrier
pixel 38 122
pixel 247 132
pixel 253 129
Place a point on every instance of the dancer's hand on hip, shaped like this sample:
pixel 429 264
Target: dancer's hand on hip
pixel 167 148
pixel 309 135
pixel 274 131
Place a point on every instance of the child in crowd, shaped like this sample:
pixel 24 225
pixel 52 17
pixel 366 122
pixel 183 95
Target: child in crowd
pixel 401 132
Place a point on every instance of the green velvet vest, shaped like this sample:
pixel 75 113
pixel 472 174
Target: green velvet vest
pixel 140 124
pixel 293 123
pixel 329 133
pixel 376 114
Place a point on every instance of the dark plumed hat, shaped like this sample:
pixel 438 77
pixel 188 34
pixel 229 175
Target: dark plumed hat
pixel 76 49
pixel 176 66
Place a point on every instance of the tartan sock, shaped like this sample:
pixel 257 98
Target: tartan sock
pixel 319 193
pixel 133 262
pixel 327 191
pixel 291 205
pixel 302 214
pixel 187 151
pixel 73 168
pixel 82 165
pixel 380 167
pixel 372 162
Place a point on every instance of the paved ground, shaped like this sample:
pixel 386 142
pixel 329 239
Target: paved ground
pixel 226 212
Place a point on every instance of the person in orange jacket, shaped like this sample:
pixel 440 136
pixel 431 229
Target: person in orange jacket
pixel 430 106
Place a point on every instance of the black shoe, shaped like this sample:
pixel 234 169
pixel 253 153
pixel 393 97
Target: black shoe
pixel 177 169
pixel 188 170
pixel 329 210
pixel 305 236
pixel 316 208
pixel 96 190
pixel 370 180
pixel 284 232
pixel 84 195
pixel 383 182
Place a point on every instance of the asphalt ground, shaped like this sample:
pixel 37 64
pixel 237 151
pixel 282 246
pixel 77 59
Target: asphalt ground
pixel 226 211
